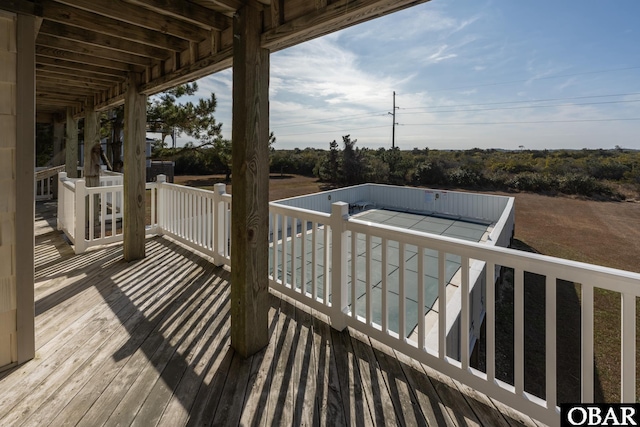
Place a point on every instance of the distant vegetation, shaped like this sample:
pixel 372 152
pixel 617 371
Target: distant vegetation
pixel 608 174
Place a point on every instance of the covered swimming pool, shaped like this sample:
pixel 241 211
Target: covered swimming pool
pixel 476 231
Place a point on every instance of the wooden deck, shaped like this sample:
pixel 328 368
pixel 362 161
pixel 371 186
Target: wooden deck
pixel 147 343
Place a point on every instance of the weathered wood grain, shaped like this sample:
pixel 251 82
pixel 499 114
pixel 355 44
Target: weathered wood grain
pixel 135 113
pixel 250 180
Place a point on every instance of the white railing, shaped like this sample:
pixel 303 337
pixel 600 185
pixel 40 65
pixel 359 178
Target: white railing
pixel 198 218
pixel 43 183
pixel 303 240
pixel 93 216
pixel 342 266
pixel 67 206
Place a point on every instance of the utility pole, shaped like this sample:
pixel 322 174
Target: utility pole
pixel 393 128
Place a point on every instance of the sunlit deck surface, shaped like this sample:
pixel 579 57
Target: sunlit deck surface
pixel 147 343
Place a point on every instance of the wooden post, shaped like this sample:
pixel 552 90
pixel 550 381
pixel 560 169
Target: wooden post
pixel 91 139
pixel 250 180
pixel 71 146
pixel 58 143
pixel 339 249
pixel 25 197
pixel 135 121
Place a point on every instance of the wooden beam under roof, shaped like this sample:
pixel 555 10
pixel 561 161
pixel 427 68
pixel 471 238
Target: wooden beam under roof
pixel 21 6
pixel 189 11
pixel 76 81
pixel 81 58
pixel 62 63
pixel 50 88
pixel 132 14
pixel 334 17
pixel 72 74
pixel 56 12
pixel 80 47
pixel 69 32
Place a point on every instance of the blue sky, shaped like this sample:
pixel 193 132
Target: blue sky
pixel 489 74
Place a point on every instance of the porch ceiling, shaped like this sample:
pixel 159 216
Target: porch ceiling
pixel 86 48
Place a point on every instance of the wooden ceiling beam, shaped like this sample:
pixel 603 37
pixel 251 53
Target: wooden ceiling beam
pixel 64 14
pixel 189 11
pixel 59 71
pixel 51 88
pixel 73 66
pixel 49 52
pixel 21 6
pixel 75 82
pixel 64 45
pixel 229 4
pixel 61 98
pixel 211 64
pixel 69 32
pixel 335 16
pixel 135 15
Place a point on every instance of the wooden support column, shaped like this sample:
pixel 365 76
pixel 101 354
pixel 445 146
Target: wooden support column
pixel 58 143
pixel 71 145
pixel 135 121
pixel 250 179
pixel 25 197
pixel 91 139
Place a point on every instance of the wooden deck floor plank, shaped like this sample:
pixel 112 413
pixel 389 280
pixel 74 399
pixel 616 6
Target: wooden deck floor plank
pixel 513 417
pixel 305 378
pixel 88 294
pixel 282 399
pixel 432 408
pixel 30 377
pixel 54 312
pixel 68 390
pixel 232 395
pixel 206 402
pixel 405 403
pixel 211 344
pixel 260 376
pixel 64 372
pixel 119 348
pixel 138 357
pixel 169 335
pixel 209 309
pixel 374 386
pixel 454 402
pixel 354 402
pixel 328 407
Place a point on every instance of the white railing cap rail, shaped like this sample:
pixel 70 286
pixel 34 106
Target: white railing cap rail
pixel 309 215
pixel 580 272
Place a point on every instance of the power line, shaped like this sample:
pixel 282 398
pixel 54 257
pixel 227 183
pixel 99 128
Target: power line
pixel 384 113
pixel 527 106
pixel 524 122
pixel 528 100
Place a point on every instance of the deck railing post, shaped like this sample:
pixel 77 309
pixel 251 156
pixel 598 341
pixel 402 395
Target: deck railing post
pixel 62 176
pixel 160 201
pixel 219 223
pixel 339 250
pixel 81 219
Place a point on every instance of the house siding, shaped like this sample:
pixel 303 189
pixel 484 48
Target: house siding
pixel 8 139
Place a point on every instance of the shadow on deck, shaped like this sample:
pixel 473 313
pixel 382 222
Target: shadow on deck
pixel 147 343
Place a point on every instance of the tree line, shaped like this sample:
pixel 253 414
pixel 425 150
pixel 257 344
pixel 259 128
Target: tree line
pixel 610 174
